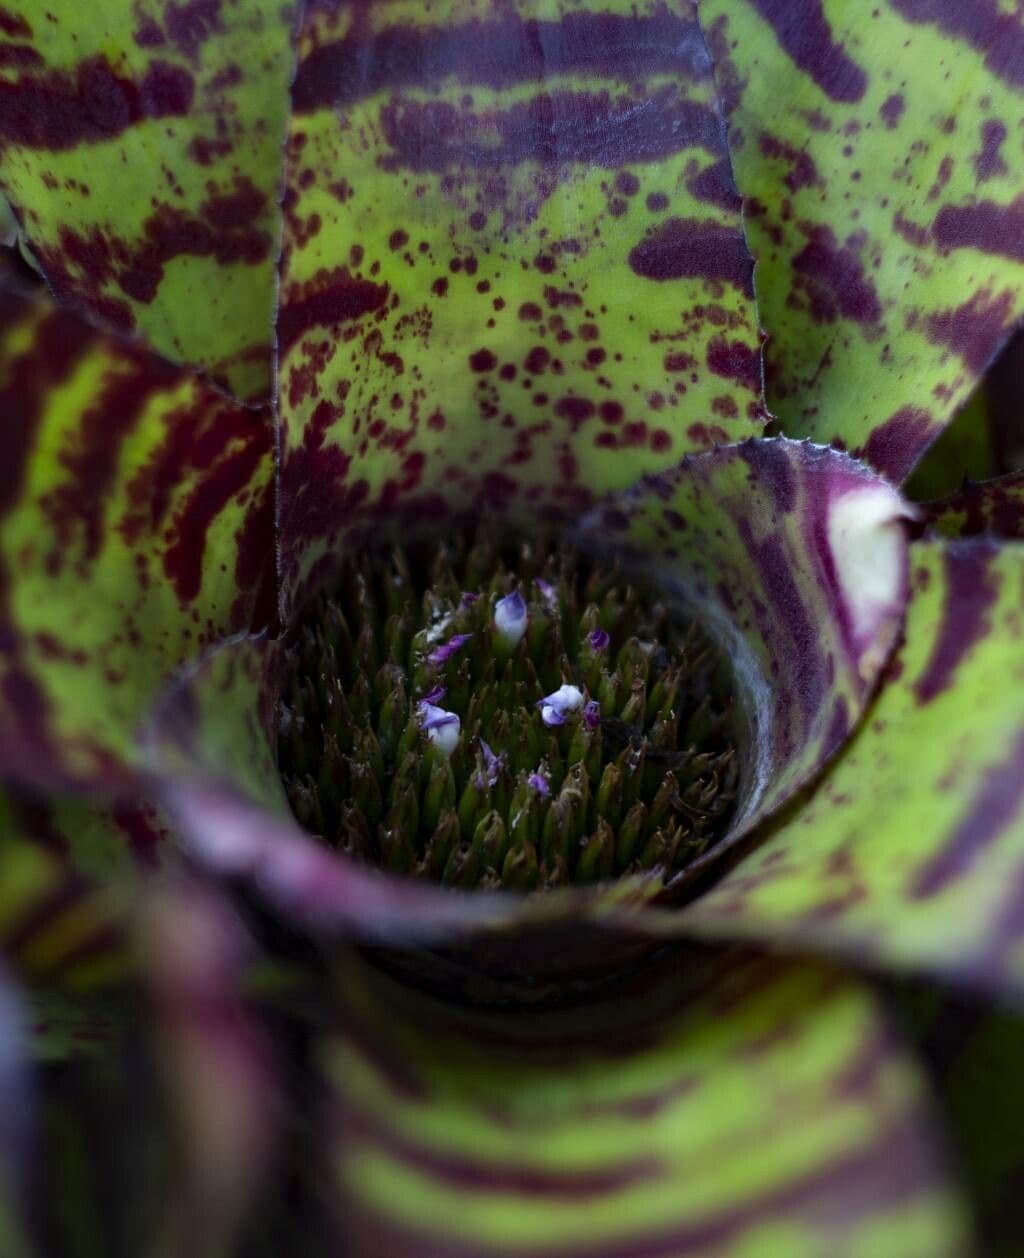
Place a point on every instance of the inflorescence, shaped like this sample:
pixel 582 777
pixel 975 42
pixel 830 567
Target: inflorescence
pixel 490 714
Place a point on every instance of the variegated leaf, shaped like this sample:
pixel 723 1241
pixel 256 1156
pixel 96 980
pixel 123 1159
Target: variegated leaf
pixel 140 146
pixel 514 269
pixel 909 854
pixel 995 507
pixel 794 554
pixel 875 150
pixel 135 505
pixel 720 1104
pixel 986 439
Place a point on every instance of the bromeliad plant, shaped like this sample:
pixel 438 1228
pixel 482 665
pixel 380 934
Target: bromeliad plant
pixel 524 692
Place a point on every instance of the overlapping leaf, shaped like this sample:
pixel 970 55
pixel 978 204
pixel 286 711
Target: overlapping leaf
pixel 875 150
pixel 135 507
pixel 986 439
pixel 140 146
pixel 754 1107
pixel 910 851
pixel 513 269
pixel 995 507
pixel 794 554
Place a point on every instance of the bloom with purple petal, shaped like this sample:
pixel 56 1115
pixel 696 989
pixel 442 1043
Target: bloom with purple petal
pixel 435 694
pixel 540 784
pixel 547 592
pixel 592 714
pixel 492 763
pixel 441 727
pixel 443 653
pixel 468 598
pixel 510 618
pixel 599 639
pixel 555 707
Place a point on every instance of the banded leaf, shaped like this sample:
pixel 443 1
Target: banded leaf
pixel 136 510
pixel 140 147
pixel 884 204
pixel 908 853
pixel 752 1107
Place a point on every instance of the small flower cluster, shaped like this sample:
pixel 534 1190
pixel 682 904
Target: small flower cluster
pixel 490 717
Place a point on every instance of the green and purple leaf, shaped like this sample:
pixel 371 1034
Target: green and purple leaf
pixel 874 148
pixel 136 512
pixel 514 270
pixel 909 853
pixel 994 507
pixel 140 147
pixel 794 555
pixel 755 1107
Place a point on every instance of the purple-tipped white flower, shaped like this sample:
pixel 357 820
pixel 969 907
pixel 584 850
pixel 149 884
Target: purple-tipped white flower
pixel 441 654
pixel 540 784
pixel 441 727
pixel 556 706
pixel 599 639
pixel 592 714
pixel 492 763
pixel 510 618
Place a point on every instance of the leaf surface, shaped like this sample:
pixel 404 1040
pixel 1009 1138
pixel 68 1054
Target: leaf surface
pixel 135 505
pixel 721 1104
pixel 140 146
pixel 908 854
pixel 514 269
pixel 884 205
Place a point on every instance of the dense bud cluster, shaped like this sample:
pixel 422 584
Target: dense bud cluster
pixel 492 714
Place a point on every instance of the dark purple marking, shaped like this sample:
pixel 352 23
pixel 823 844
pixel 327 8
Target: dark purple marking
pixel 93 452
pixel 991 228
pixel 19 55
pixel 500 54
pixel 805 36
pixel 56 347
pixel 892 109
pixel 735 361
pixel 991 811
pixel 183 561
pixel 988 161
pixel 553 129
pixel 770 466
pixel 59 110
pixel 191 24
pixel 975 330
pixel 895 445
pixel 687 248
pixel 970 594
pixel 715 185
pixel 331 297
pixel 483 360
pixel 14 25
pixel 833 279
pixel 980 23
pixel 802 171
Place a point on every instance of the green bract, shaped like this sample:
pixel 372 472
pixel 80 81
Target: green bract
pixel 325 277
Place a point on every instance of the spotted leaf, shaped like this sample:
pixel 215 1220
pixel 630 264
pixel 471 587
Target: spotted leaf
pixel 909 852
pixel 135 508
pixel 757 1107
pixel 140 146
pixel 884 205
pixel 513 269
